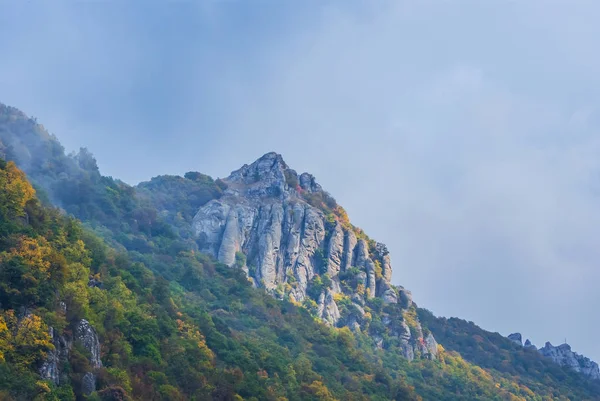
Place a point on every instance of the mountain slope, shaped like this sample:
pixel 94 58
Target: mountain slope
pixel 174 323
pixel 76 317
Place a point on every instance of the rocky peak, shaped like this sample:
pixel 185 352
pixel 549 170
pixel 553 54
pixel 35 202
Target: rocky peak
pixel 269 168
pixel 308 182
pixel 293 239
pixel 516 338
pixel 270 177
pixel 563 356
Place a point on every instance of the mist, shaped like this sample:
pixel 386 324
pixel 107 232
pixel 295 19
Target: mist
pixel 463 134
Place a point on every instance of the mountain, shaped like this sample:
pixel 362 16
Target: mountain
pixel 256 286
pixel 563 356
pixel 294 240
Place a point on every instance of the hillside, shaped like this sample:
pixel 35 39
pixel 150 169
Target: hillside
pixel 143 301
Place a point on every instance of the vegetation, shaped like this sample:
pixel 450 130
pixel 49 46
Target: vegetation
pixel 174 324
pixel 496 353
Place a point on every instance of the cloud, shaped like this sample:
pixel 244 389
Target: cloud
pixel 463 150
pixel 462 134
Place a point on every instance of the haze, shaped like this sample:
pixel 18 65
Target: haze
pixel 463 134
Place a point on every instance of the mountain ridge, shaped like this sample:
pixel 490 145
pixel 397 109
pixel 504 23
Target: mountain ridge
pixel 152 225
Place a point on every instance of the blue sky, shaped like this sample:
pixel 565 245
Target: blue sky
pixel 463 134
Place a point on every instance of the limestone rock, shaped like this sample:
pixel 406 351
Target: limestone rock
pixel 328 310
pixel 564 356
pixel 405 298
pixel 51 366
pixel 387 292
pixel 86 335
pixel 516 338
pixel 335 251
pixel 431 346
pixel 88 383
pixel 49 369
pixel 378 340
pixel 282 222
pixel 349 246
pixel 308 183
pixel 529 345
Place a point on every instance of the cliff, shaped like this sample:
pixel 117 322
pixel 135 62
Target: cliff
pixel 292 238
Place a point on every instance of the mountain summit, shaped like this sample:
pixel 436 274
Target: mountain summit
pixel 293 239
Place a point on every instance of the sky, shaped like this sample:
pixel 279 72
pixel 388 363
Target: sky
pixel 463 134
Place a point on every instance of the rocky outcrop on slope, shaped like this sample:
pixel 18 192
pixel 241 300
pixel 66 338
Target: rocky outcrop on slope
pixel 52 367
pixel 563 356
pixel 516 338
pixel 292 239
pixel 87 337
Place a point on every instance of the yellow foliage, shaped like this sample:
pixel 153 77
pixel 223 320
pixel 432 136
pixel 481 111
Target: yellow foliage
pixel 378 270
pixel 5 345
pixel 191 332
pixel 16 190
pixel 338 296
pixel 360 289
pixel 42 387
pixel 24 342
pixel 35 253
pixel 319 391
pixel 342 217
pixel 410 316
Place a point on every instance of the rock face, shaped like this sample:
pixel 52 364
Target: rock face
pixel 88 383
pixel 86 335
pixel 83 333
pixel 298 244
pixel 563 356
pixel 516 338
pixel 50 369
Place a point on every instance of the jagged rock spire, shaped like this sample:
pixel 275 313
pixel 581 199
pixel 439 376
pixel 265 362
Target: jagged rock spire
pixel 283 230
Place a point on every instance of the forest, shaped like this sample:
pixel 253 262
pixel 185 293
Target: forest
pixel 78 249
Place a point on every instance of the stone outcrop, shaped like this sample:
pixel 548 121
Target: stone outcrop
pixel 84 334
pixel 88 383
pixel 328 310
pixel 516 338
pixel 563 356
pixel 431 346
pixel 51 367
pixel 87 337
pixel 298 243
